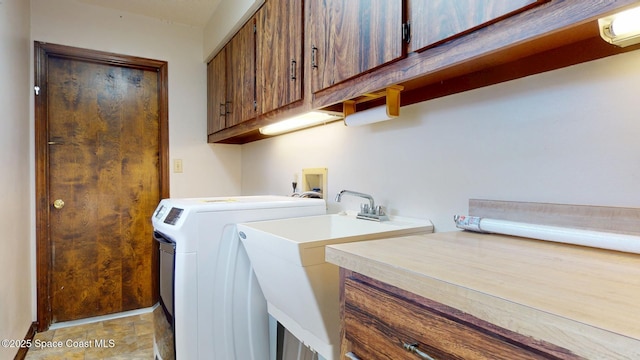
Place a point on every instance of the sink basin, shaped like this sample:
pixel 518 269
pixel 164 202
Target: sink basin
pixel 301 288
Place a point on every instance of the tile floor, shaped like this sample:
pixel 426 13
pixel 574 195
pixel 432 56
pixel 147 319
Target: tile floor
pixel 127 338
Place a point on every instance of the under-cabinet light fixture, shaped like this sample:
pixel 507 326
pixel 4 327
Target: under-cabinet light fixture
pixel 306 120
pixel 621 29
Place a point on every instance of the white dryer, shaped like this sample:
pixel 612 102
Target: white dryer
pixel 207 286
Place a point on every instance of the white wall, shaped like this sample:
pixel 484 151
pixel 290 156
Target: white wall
pixel 209 170
pixel 567 136
pixel 228 18
pixel 15 256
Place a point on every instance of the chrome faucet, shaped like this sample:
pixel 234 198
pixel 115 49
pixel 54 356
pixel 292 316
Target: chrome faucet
pixel 355 193
pixel 367 211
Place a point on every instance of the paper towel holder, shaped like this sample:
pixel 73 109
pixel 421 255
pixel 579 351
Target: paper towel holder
pixel 392 104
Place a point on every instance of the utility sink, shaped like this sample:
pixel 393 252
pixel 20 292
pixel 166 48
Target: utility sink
pixel 301 288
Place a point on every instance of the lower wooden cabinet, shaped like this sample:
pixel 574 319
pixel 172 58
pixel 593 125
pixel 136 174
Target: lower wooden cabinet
pixel 380 321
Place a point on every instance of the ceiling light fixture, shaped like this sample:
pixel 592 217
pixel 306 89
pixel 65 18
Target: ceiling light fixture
pixel 621 29
pixel 306 120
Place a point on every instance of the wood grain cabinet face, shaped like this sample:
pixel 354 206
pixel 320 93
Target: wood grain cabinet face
pixel 231 81
pixel 351 37
pixel 434 21
pixel 279 54
pixel 241 75
pixel 327 47
pixel 379 324
pixel 216 93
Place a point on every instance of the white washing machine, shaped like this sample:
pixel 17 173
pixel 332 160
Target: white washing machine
pixel 207 286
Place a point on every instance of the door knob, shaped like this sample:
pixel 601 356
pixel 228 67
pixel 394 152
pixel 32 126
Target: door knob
pixel 58 204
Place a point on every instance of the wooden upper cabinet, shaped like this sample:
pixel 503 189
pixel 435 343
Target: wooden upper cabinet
pixel 216 92
pixel 279 64
pixel 231 81
pixel 434 21
pixel 351 37
pixel 241 75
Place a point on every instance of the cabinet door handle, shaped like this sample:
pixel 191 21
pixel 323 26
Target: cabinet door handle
pixel 351 356
pixel 223 110
pixel 293 69
pixel 314 53
pixel 414 349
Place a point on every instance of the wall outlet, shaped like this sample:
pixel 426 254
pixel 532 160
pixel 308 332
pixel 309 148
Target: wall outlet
pixel 177 165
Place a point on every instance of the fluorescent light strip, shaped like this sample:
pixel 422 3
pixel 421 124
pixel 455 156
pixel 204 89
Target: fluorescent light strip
pixel 299 122
pixel 626 23
pixel 621 29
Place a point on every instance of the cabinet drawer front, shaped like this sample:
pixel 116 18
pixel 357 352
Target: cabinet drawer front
pixel 378 323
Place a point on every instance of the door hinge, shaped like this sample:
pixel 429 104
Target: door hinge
pixel 37 89
pixel 255 28
pixel 255 105
pixel 406 32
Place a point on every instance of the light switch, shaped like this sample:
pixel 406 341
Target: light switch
pixel 177 165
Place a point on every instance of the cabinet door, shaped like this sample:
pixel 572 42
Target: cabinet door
pixel 216 92
pixel 241 75
pixel 351 37
pixel 279 63
pixel 434 21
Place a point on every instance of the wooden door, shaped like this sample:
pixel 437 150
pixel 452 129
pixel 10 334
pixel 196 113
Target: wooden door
pixel 436 21
pixel 351 37
pixel 241 75
pixel 217 93
pixel 101 145
pixel 279 49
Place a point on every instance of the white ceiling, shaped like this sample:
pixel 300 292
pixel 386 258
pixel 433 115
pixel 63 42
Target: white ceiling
pixel 189 12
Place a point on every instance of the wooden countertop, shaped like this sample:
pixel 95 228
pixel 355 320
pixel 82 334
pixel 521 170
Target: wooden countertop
pixel 584 299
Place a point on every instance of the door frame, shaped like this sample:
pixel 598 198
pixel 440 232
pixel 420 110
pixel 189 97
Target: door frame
pixel 42 52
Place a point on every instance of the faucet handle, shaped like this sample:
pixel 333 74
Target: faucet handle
pixel 372 213
pixel 368 210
